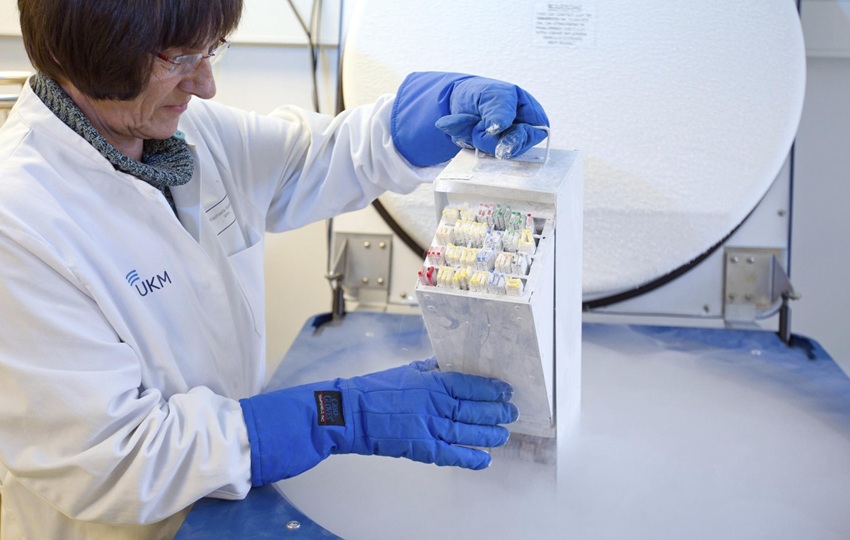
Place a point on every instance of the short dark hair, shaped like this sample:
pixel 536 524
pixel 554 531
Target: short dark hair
pixel 103 47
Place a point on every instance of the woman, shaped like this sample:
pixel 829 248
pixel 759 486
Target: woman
pixel 132 336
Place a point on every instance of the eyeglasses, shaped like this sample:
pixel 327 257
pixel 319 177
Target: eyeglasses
pixel 186 63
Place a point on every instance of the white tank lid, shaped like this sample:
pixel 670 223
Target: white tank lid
pixel 684 111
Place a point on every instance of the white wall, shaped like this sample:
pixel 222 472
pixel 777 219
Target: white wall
pixel 821 222
pixel 262 76
pixel 820 265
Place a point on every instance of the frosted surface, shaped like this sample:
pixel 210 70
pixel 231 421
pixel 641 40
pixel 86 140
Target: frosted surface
pixel 684 433
pixel 684 111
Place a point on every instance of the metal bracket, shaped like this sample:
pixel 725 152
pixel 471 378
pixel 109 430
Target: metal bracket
pixel 755 286
pixel 363 263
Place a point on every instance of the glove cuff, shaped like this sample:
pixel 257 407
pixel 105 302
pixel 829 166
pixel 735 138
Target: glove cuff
pixel 257 477
pixel 294 429
pixel 422 99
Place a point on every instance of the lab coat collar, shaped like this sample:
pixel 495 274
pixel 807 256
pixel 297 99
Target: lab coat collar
pixel 35 114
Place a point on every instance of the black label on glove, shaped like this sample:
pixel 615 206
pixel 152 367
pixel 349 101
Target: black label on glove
pixel 329 407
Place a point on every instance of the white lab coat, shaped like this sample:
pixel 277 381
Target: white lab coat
pixel 128 336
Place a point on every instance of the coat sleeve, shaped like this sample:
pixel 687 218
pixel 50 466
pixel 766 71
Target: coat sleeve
pixel 299 167
pixel 76 426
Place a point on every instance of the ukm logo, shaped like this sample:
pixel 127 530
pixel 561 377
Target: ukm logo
pixel 146 286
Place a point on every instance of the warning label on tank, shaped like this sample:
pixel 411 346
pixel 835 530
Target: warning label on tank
pixel 565 24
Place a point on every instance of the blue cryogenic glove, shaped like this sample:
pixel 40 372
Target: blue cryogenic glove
pixel 435 114
pixel 413 411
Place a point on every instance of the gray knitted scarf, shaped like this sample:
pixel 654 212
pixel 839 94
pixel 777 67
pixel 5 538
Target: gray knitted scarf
pixel 164 163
